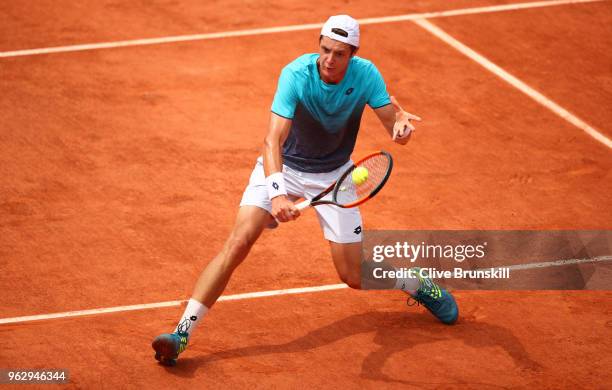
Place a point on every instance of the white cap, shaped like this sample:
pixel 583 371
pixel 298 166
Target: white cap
pixel 342 28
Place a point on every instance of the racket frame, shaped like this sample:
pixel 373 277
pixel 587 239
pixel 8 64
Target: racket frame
pixel 334 188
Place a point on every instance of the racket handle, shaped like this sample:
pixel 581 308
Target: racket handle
pixel 302 205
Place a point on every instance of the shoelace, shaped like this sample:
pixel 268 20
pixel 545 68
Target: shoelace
pixel 184 326
pixel 427 288
pixel 411 301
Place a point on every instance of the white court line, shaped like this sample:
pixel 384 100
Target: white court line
pixel 515 82
pixel 261 294
pixel 235 297
pixel 557 263
pixel 281 29
pixel 471 11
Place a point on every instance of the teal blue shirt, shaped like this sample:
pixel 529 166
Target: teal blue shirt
pixel 325 117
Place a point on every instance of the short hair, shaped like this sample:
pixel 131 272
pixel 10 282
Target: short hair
pixel 353 48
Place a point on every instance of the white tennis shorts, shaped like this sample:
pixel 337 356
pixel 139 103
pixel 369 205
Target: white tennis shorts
pixel 338 224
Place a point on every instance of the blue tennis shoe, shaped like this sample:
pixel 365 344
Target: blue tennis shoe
pixel 437 300
pixel 168 346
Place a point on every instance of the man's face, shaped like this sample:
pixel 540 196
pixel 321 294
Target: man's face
pixel 333 60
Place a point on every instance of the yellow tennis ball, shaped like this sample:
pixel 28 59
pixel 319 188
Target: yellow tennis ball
pixel 360 175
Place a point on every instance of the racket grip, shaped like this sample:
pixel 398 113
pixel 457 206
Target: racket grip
pixel 302 205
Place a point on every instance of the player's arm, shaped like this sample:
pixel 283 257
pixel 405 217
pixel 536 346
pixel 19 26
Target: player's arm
pixel 397 121
pixel 282 208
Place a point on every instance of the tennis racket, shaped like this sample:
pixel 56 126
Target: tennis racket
pixel 346 193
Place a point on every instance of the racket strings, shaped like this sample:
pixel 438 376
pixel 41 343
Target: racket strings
pixel 377 170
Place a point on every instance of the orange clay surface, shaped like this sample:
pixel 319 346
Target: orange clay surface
pixel 121 171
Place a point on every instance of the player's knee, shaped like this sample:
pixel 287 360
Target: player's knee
pixel 237 248
pixel 354 284
pixel 352 280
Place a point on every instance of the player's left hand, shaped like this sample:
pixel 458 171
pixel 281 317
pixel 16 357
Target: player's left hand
pixel 403 127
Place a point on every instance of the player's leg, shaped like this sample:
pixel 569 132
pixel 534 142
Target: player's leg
pixel 347 260
pixel 342 228
pixel 250 222
pixel 253 217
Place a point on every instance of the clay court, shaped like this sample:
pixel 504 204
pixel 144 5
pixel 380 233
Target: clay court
pixel 128 131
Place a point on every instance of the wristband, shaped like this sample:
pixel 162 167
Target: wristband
pixel 276 185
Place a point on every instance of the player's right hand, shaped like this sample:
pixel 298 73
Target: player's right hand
pixel 283 210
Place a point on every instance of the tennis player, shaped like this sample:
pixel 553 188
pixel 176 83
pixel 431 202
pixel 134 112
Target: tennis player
pixel 315 118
